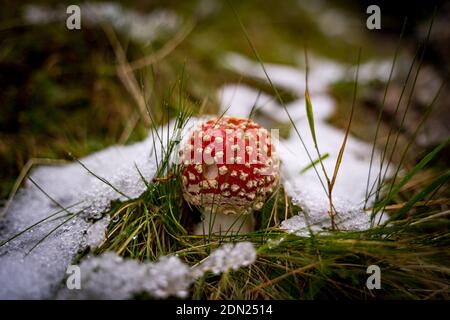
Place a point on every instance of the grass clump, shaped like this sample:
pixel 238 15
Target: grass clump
pixel 411 250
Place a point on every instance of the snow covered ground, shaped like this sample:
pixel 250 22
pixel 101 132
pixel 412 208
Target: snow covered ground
pixel 37 274
pixel 40 273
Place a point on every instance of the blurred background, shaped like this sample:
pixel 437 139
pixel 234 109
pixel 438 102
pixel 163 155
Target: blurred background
pixel 69 91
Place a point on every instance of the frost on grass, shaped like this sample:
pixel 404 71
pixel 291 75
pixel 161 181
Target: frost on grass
pixel 37 274
pixel 305 188
pixel 144 28
pixel 109 276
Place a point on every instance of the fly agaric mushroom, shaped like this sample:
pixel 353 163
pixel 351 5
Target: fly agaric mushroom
pixel 229 167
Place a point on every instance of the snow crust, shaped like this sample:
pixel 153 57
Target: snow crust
pixel 109 276
pixel 37 274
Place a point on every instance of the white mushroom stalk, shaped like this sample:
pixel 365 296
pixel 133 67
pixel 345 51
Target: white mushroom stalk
pixel 229 168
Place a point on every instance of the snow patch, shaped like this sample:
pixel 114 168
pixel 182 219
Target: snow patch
pixel 37 274
pixel 97 232
pixel 305 188
pixel 144 28
pixel 109 276
pixel 228 257
pixel 322 72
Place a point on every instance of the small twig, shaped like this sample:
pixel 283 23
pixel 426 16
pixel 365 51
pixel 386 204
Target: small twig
pixel 129 127
pixel 123 72
pixel 163 179
pixel 165 50
pixel 433 216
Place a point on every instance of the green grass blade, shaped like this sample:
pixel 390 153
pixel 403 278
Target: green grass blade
pixel 412 140
pixel 377 183
pixel 53 230
pixel 315 162
pixel 422 163
pixel 382 177
pixel 380 114
pixel 101 179
pixel 277 93
pixel 37 223
pixel 310 115
pixel 347 131
pixel 437 183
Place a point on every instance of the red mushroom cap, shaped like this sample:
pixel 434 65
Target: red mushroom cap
pixel 229 165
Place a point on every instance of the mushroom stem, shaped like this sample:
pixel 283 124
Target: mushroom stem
pixel 220 223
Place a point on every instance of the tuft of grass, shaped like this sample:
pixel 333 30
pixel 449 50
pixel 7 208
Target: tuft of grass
pixel 143 228
pixel 159 221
